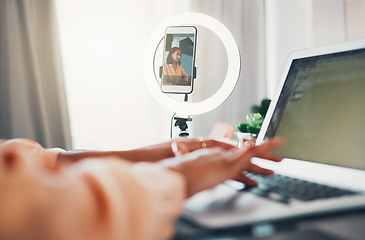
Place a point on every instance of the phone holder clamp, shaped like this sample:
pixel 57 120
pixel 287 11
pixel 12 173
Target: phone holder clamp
pixel 181 123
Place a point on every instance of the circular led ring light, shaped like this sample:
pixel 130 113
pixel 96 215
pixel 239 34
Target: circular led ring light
pixel 233 71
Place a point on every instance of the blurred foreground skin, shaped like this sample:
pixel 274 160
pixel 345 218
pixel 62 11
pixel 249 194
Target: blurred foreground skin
pixel 136 194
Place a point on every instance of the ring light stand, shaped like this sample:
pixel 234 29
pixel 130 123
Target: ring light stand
pixel 190 108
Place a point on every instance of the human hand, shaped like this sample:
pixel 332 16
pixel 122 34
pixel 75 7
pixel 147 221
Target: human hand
pixel 186 145
pixel 206 168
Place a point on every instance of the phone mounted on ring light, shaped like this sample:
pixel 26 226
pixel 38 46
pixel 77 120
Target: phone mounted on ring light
pixel 178 60
pixel 229 82
pixel 233 71
pixel 178 66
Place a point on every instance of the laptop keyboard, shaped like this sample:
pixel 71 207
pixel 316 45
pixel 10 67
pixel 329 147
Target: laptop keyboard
pixel 284 189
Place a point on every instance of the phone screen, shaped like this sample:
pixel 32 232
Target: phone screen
pixel 178 59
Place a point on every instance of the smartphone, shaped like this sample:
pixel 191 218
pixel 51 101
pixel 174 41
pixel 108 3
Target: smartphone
pixel 178 59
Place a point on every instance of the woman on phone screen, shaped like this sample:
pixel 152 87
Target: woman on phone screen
pixel 174 73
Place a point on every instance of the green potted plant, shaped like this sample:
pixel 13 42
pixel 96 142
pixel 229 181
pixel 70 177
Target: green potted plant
pixel 248 131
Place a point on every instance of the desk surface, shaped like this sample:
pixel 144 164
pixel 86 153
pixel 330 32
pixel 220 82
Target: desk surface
pixel 349 226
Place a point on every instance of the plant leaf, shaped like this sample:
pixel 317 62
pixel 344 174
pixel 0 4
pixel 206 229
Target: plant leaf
pixel 253 129
pixel 243 127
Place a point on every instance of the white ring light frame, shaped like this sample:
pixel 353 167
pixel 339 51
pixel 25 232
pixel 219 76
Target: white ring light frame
pixel 233 71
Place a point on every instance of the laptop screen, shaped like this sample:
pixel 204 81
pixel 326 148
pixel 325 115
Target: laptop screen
pixel 321 110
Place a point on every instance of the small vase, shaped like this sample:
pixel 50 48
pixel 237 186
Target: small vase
pixel 246 139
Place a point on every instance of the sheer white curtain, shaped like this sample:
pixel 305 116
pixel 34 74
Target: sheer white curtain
pixel 32 96
pixel 245 20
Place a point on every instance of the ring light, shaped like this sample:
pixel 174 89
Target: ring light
pixel 233 70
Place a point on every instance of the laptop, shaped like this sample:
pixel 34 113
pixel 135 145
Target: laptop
pixel 319 107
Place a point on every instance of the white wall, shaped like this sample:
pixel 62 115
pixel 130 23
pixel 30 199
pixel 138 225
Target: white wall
pixel 355 19
pixel 298 24
pixel 288 26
